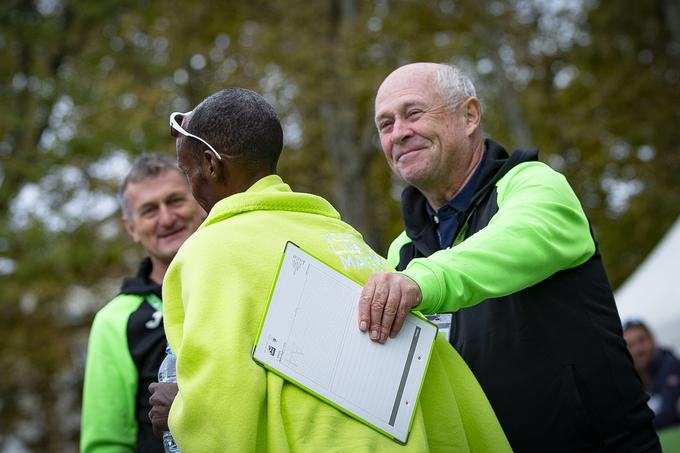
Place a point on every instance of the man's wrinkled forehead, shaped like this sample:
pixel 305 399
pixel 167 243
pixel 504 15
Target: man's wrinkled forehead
pixel 157 186
pixel 405 85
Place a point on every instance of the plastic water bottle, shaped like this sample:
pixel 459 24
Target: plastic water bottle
pixel 167 372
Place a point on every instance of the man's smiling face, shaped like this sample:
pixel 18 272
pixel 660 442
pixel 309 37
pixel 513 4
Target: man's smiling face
pixel 419 134
pixel 163 214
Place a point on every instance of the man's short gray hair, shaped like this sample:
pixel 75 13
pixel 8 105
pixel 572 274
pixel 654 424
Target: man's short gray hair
pixel 148 165
pixel 454 86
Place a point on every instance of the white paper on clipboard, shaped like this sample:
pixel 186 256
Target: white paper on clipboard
pixel 310 336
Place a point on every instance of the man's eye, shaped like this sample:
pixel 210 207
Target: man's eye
pixel 385 125
pixel 147 212
pixel 412 113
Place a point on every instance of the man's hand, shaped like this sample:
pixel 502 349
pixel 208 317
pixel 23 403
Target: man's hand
pixel 385 301
pixel 162 396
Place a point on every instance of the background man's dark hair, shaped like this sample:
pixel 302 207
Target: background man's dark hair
pixel 148 165
pixel 241 124
pixel 636 323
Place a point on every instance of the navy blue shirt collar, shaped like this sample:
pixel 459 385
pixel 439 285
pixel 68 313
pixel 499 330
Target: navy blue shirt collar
pixel 445 218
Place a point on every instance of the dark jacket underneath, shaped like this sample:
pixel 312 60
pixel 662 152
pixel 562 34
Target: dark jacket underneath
pixel 146 341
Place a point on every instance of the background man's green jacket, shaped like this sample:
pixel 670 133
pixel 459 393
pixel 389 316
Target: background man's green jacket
pixel 125 348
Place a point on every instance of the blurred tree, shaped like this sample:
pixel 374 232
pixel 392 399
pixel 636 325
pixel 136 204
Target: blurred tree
pixel 88 85
pixel 609 105
pixel 80 81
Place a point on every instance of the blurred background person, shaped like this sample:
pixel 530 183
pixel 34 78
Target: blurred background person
pixel 659 370
pixel 127 340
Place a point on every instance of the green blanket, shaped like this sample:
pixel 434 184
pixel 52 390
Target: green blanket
pixel 214 296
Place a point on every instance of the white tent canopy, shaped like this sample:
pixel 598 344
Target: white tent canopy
pixel 652 293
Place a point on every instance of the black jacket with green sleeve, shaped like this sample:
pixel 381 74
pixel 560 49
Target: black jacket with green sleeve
pixel 533 312
pixel 125 349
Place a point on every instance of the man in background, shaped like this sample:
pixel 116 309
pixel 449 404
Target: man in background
pixel 127 341
pixel 500 242
pixel 659 370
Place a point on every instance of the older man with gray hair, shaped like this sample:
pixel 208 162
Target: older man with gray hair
pixel 127 341
pixel 499 243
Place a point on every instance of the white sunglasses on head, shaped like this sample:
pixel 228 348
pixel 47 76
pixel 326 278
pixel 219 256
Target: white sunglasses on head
pixel 176 127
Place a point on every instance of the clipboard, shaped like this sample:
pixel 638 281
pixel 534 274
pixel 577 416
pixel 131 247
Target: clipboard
pixel 310 337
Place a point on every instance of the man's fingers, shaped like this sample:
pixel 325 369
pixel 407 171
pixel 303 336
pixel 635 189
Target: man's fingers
pixel 385 301
pixel 153 413
pixel 154 389
pixel 365 304
pixel 159 425
pixel 377 306
pixel 390 309
pixel 159 418
pixel 162 396
pixel 399 319
pixel 410 298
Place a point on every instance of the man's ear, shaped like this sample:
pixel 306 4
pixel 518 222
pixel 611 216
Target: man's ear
pixel 473 115
pixel 211 165
pixel 130 228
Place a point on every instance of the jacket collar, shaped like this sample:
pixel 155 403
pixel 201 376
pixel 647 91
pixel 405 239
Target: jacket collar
pixel 269 193
pixel 418 225
pixel 141 283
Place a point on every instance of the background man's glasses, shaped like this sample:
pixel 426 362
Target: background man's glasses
pixel 175 127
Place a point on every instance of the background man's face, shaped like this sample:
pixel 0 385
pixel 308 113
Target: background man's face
pixel 640 345
pixel 163 214
pixel 420 136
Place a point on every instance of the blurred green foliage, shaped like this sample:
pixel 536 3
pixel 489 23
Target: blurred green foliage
pixel 86 86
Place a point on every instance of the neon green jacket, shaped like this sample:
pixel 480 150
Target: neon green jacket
pixel 539 229
pixel 214 295
pixel 125 348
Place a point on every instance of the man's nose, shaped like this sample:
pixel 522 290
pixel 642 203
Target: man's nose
pixel 166 216
pixel 401 131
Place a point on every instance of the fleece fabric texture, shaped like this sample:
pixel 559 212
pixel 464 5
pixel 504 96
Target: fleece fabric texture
pixel 215 293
